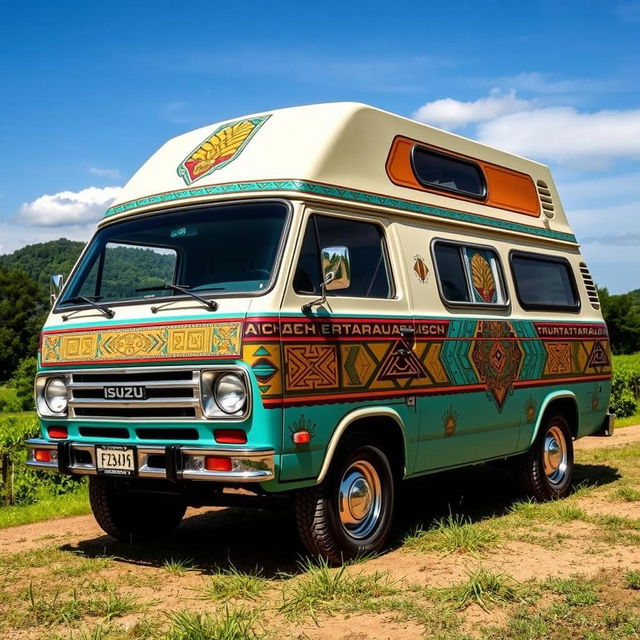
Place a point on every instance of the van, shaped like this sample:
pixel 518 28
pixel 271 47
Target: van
pixel 320 302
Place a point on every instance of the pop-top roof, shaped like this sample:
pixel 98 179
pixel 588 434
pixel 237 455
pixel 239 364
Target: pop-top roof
pixel 347 151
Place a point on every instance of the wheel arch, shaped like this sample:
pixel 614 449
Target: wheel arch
pixel 564 402
pixel 386 423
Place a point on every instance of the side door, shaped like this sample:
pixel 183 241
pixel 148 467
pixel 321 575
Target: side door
pixel 469 408
pixel 342 344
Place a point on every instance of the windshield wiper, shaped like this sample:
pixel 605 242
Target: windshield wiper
pixel 212 305
pixel 100 307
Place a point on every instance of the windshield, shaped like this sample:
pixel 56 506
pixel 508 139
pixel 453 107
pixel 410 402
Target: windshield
pixel 225 249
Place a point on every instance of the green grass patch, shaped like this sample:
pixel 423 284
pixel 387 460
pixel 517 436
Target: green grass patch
pixel 68 504
pixel 632 579
pixel 234 584
pixel 576 591
pixel 322 588
pixel 629 421
pixel 239 624
pixel 178 566
pixel 627 493
pixel 483 587
pixel 454 533
pixel 557 511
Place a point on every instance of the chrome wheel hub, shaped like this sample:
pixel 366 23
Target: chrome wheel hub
pixel 555 455
pixel 360 499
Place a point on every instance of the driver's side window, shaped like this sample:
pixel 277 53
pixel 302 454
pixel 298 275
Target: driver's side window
pixel 369 268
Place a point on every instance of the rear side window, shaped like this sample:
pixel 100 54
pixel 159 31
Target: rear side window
pixel 369 276
pixel 448 173
pixel 469 275
pixel 544 282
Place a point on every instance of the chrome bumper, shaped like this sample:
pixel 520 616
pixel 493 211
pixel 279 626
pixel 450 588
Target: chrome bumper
pixel 182 462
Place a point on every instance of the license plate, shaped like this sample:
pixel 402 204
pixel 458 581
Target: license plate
pixel 129 392
pixel 115 460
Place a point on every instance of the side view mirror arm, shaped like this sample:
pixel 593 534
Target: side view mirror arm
pixel 307 306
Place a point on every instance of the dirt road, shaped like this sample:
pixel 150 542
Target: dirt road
pixel 592 533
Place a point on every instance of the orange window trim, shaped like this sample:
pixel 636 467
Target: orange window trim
pixel 506 189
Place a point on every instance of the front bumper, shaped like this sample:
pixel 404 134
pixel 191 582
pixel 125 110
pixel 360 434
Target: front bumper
pixel 173 462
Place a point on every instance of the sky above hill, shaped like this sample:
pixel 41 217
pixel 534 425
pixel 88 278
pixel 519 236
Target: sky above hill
pixel 90 90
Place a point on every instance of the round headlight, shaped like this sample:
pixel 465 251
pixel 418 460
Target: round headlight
pixel 55 395
pixel 230 393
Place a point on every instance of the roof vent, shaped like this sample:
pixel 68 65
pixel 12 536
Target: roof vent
pixel 545 198
pixel 592 292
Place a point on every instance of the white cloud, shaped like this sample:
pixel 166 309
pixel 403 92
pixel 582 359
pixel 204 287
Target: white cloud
pixel 450 114
pixel 69 207
pixel 15 236
pixel 563 133
pixel 105 173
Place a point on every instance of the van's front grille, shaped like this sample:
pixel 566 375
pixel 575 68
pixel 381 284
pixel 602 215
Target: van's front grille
pixel 159 395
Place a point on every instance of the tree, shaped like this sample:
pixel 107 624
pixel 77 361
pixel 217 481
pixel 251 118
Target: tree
pixel 622 315
pixel 21 316
pixel 22 382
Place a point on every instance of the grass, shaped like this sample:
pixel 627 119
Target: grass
pixel 576 591
pixel 69 504
pixel 178 566
pixel 557 511
pixel 232 584
pixel 453 533
pixel 321 588
pixel 238 624
pixel 627 493
pixel 482 587
pixel 632 579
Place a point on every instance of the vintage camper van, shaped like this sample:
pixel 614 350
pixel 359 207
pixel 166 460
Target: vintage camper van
pixel 320 301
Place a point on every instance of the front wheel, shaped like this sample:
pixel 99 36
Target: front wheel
pixel 546 471
pixel 351 512
pixel 131 517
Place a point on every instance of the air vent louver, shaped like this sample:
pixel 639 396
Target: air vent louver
pixel 592 292
pixel 546 201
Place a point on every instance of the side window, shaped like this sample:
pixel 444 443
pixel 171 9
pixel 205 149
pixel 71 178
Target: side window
pixel 544 282
pixel 469 275
pixel 369 275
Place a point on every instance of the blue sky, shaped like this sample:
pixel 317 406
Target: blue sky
pixel 91 89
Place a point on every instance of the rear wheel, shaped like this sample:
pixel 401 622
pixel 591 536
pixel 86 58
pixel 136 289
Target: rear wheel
pixel 129 516
pixel 351 512
pixel 546 471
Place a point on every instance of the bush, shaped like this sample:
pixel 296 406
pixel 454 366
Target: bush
pixel 625 388
pixel 624 404
pixel 22 382
pixel 29 485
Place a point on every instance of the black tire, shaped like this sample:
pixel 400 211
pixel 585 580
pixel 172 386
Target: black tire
pixel 318 515
pixel 543 473
pixel 133 517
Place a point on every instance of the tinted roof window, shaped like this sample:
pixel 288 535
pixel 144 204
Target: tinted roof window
pixel 448 173
pixel 544 283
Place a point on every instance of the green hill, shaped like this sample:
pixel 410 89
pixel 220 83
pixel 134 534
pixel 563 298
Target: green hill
pixel 39 261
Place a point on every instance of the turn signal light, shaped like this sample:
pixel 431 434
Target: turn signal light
pixel 230 436
pixel 58 432
pixel 217 463
pixel 301 437
pixel 42 455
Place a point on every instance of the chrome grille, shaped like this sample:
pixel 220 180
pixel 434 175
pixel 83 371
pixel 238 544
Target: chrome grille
pixel 171 394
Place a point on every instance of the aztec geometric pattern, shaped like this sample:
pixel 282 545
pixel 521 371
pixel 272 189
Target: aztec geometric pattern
pixel 496 357
pixel 346 359
pixel 222 147
pixel 124 344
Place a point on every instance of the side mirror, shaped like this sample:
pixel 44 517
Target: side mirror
pixel 55 287
pixel 336 268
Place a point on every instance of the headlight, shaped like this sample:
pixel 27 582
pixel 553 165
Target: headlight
pixel 223 394
pixel 55 395
pixel 230 393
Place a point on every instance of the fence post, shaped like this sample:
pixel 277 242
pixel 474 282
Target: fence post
pixel 6 498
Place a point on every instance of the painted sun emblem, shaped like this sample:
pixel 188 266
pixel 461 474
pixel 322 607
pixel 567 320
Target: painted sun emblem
pixel 420 268
pixel 450 421
pixel 222 147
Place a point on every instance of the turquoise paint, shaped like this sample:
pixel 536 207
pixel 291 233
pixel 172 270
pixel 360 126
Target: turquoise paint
pixel 314 188
pixel 534 352
pixel 454 353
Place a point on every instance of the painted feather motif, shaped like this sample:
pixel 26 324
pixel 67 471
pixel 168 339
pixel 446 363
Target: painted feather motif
pixel 220 148
pixel 483 280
